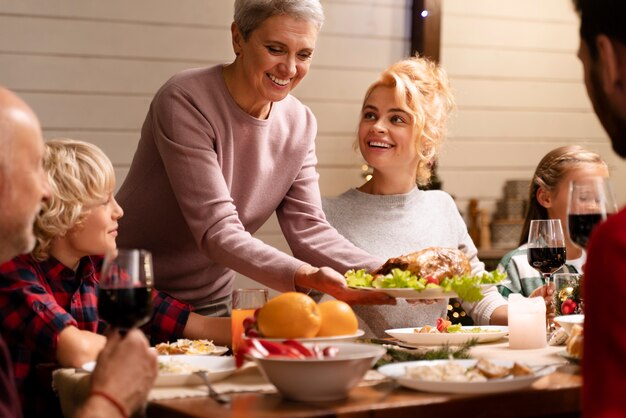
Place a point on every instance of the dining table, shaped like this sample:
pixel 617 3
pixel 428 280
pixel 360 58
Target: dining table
pixel 557 394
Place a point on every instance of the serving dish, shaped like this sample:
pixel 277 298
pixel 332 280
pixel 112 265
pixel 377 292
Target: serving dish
pixel 217 368
pixel 320 340
pixel 321 380
pixel 397 371
pixel 488 333
pixel 568 321
pixel 410 293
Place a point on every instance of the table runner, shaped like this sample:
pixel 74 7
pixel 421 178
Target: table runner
pixel 72 386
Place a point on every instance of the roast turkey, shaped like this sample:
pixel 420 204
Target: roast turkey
pixel 437 262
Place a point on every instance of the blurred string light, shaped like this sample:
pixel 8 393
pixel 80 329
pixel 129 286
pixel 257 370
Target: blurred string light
pixel 366 172
pixel 424 13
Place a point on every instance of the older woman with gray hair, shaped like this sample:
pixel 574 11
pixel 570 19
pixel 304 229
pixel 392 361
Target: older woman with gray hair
pixel 221 149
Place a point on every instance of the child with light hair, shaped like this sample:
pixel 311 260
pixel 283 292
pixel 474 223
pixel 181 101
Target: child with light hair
pixel 49 298
pixel 547 199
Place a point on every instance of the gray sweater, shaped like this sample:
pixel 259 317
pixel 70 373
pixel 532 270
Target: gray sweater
pixel 393 225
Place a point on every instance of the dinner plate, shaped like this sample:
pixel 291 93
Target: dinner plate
pixel 488 333
pixel 410 293
pixel 567 356
pixel 335 339
pixel 397 372
pixel 568 321
pixel 218 368
pixel 218 351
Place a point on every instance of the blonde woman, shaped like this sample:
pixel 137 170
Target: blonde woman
pixel 402 126
pixel 48 299
pixel 547 199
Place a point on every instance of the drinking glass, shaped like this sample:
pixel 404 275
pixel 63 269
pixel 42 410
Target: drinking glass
pixel 568 298
pixel 245 302
pixel 591 200
pixel 125 289
pixel 546 254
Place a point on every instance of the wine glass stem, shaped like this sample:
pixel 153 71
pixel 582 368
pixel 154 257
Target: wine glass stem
pixel 550 306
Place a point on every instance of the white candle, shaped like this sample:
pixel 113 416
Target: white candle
pixel 527 322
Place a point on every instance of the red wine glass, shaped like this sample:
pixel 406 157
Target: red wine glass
pixel 591 200
pixel 125 289
pixel 546 254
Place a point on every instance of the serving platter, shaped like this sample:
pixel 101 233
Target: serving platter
pixel 567 356
pixel 338 338
pixel 410 293
pixel 217 367
pixel 397 371
pixel 486 333
pixel 568 321
pixel 218 350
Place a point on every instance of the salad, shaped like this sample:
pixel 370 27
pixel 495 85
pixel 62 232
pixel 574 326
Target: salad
pixel 467 287
pixel 443 326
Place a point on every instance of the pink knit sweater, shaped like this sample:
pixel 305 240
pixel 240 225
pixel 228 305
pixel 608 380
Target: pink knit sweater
pixel 207 175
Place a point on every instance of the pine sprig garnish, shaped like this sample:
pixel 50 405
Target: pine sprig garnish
pixel 444 352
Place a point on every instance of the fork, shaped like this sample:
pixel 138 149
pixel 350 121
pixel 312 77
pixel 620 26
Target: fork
pixel 212 393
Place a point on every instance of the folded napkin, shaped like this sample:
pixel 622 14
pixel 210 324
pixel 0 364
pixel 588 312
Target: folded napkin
pixel 72 386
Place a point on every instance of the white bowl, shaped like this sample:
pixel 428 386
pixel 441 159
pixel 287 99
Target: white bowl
pixel 313 380
pixel 320 340
pixel 568 321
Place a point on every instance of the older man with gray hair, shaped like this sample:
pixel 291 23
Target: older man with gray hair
pixel 126 367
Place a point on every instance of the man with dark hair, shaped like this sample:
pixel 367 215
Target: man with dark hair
pixel 603 55
pixel 126 367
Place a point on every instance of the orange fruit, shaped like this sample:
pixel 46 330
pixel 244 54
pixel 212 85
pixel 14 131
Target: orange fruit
pixel 338 318
pixel 289 315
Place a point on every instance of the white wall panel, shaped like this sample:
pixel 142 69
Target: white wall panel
pixel 89 68
pixel 530 10
pixel 521 94
pixel 514 65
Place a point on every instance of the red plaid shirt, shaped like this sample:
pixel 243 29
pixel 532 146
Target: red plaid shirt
pixel 39 299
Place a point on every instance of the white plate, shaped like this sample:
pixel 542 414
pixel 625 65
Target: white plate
pixel 397 371
pixel 410 293
pixel 338 338
pixel 568 321
pixel 219 350
pixel 408 335
pixel 567 356
pixel 218 368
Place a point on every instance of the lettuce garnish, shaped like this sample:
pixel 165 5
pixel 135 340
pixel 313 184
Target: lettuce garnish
pixel 467 287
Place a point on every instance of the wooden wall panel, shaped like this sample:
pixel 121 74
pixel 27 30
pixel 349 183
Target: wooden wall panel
pixel 90 68
pixel 529 10
pixel 524 123
pixel 512 34
pixel 519 94
pixel 189 12
pixel 491 63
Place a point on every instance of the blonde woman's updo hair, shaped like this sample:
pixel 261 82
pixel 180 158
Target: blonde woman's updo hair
pixel 80 175
pixel 249 14
pixel 424 87
pixel 553 168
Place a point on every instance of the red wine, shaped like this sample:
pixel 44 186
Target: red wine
pixel 126 307
pixel 547 260
pixel 580 227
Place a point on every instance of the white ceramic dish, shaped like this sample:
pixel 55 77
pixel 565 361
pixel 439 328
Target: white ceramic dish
pixel 218 368
pixel 397 371
pixel 567 356
pixel 219 350
pixel 321 340
pixel 409 293
pixel 313 380
pixel 408 335
pixel 568 321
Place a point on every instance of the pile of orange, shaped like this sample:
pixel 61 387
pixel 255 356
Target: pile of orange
pixel 296 315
